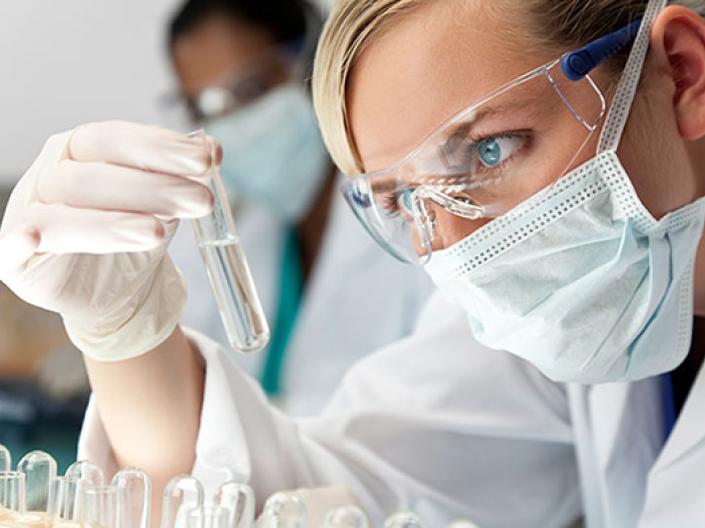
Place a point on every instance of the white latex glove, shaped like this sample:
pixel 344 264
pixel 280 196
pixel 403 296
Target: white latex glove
pixel 86 229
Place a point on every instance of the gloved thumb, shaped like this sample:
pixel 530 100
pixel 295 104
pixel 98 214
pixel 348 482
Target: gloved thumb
pixel 16 247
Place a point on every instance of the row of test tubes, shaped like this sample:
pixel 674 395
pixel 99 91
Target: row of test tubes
pixel 34 496
pixel 236 505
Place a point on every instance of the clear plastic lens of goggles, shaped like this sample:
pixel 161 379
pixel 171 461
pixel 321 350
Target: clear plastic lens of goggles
pixel 480 164
pixel 395 232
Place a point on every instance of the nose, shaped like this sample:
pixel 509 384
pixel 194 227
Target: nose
pixel 450 228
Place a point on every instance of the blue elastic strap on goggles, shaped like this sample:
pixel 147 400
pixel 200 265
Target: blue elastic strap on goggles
pixel 577 64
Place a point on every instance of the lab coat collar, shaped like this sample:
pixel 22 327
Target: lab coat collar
pixel 689 431
pixel 627 428
pixel 627 418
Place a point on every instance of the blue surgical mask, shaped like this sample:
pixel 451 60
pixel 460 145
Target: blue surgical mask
pixel 273 152
pixel 581 280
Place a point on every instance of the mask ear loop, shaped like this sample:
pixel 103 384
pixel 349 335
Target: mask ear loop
pixel 626 90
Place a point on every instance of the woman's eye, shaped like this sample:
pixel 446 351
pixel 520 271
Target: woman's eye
pixel 494 151
pixel 405 199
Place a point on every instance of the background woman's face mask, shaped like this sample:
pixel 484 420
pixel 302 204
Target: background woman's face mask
pixel 273 152
pixel 580 279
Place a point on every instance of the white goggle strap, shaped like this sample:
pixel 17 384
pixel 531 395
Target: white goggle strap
pixel 618 114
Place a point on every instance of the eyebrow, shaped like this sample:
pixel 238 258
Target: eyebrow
pixel 458 134
pixel 461 130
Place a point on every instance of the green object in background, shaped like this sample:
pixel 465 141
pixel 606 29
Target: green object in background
pixel 291 278
pixel 58 440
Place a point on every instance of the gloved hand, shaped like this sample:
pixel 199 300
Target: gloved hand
pixel 86 229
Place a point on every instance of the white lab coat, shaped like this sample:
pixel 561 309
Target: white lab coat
pixel 358 299
pixel 441 425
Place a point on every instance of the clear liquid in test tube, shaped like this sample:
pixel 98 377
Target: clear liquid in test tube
pixel 229 273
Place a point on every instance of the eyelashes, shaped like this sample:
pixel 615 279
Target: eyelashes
pixel 474 156
pixel 473 164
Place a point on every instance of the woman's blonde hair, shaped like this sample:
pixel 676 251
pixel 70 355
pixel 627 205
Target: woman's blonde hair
pixel 353 24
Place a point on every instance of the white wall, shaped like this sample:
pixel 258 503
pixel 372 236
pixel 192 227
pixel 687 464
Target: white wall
pixel 71 61
pixel 325 4
pixel 68 62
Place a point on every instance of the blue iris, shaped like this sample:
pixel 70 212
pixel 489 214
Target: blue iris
pixel 490 152
pixel 406 199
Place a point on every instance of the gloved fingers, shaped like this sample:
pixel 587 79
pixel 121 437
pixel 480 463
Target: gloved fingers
pixel 64 229
pixel 104 186
pixel 216 151
pixel 16 246
pixel 142 147
pixel 212 144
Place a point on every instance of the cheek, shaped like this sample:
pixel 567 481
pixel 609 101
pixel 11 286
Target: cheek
pixel 655 156
pixel 540 170
pixel 643 176
pixel 659 171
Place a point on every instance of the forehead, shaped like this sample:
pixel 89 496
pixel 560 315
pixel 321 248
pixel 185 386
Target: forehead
pixel 425 67
pixel 216 47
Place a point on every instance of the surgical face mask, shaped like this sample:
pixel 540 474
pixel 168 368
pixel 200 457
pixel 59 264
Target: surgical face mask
pixel 581 280
pixel 273 152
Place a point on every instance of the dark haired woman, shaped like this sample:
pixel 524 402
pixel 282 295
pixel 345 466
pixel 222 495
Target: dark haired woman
pixel 242 67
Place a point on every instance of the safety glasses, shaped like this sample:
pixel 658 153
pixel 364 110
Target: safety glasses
pixel 488 158
pixel 249 83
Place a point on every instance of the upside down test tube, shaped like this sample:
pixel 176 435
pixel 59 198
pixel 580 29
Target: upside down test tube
pixel 5 459
pixel 239 501
pixel 229 273
pixel 347 517
pixel 182 494
pixel 39 469
pixel 462 524
pixel 283 510
pixel 403 519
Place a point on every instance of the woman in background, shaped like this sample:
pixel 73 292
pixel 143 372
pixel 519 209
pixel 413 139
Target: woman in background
pixel 243 69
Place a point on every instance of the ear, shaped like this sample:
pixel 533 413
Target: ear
pixel 678 48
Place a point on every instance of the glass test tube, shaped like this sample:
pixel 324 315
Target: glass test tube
pixel 462 524
pixel 347 517
pixel 100 507
pixel 134 493
pixel 207 517
pixel 5 459
pixel 12 493
pixel 403 519
pixel 66 501
pixel 239 501
pixel 182 494
pixel 283 510
pixel 229 272
pixel 39 469
pixel 87 472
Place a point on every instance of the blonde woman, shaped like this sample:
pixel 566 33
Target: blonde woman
pixel 495 142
